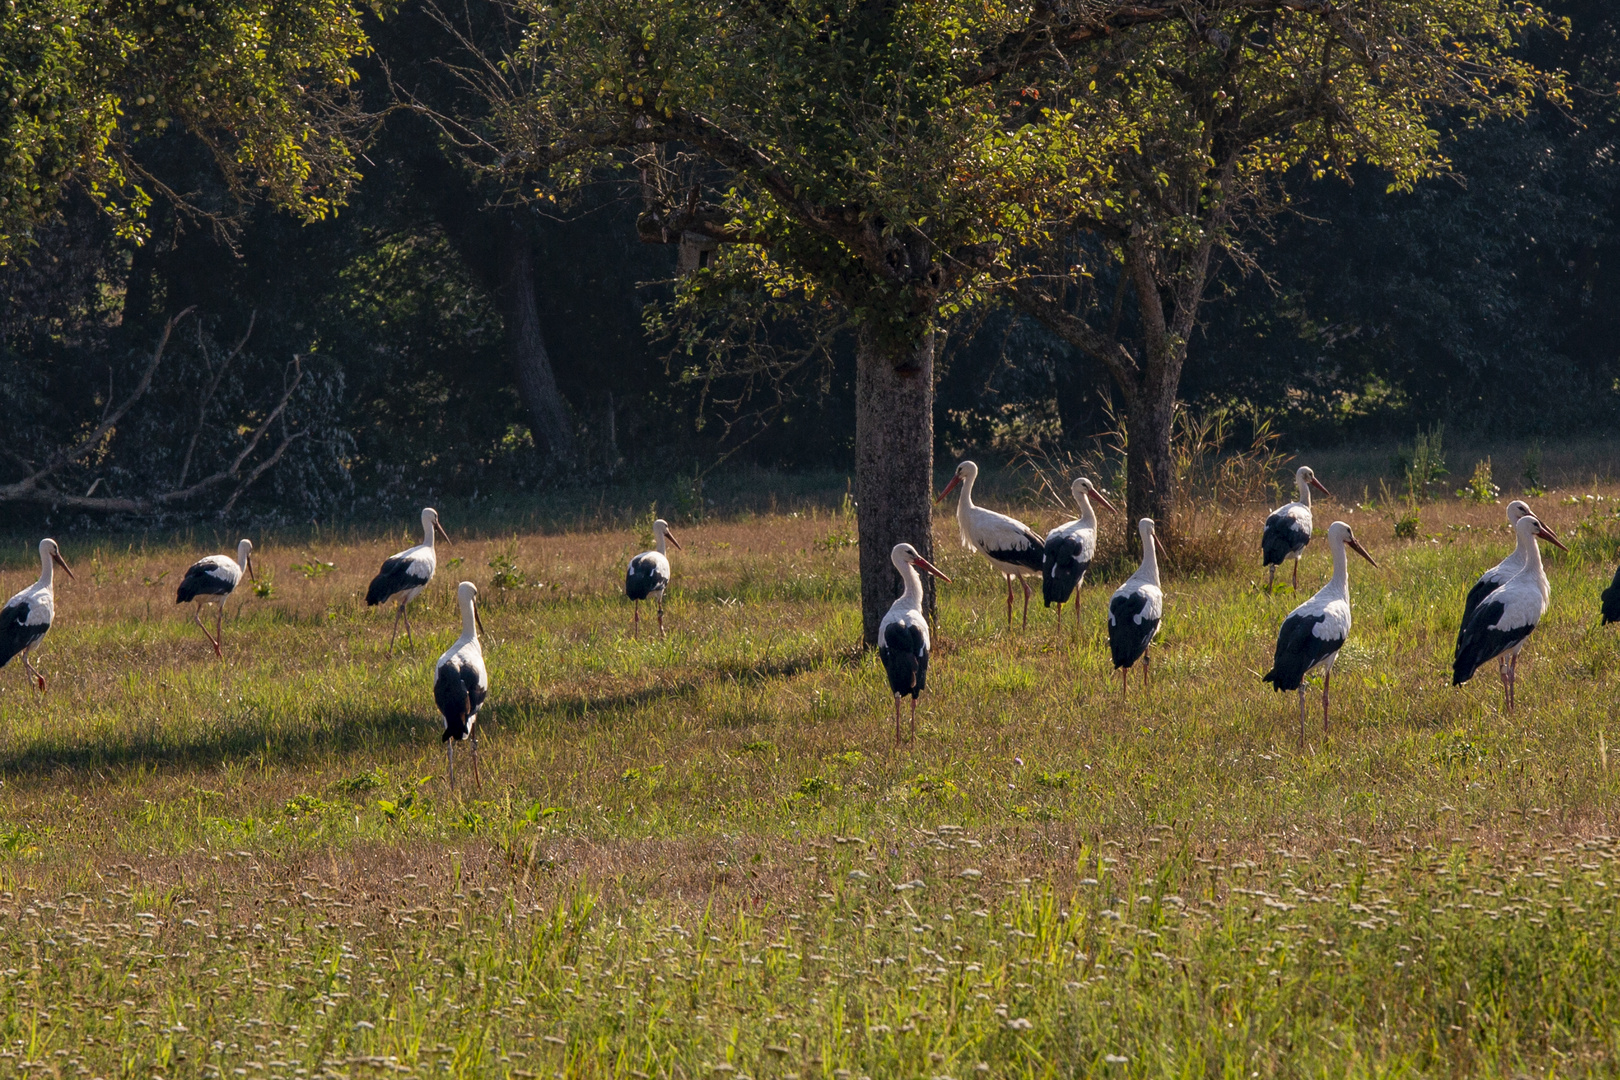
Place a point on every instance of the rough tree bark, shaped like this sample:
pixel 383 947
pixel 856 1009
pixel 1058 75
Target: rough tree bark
pixel 526 347
pixel 894 465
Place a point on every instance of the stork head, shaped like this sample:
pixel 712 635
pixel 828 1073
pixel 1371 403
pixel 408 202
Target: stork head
pixel 1340 533
pixel 1083 487
pixel 1150 536
pixel 48 551
pixel 1530 526
pixel 905 555
pixel 244 557
pixel 467 597
pixel 661 531
pixel 430 524
pixel 1305 477
pixel 1517 509
pixel 965 474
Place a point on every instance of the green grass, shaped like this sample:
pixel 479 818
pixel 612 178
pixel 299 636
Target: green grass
pixel 699 855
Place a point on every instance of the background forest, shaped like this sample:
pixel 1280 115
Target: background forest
pixel 433 337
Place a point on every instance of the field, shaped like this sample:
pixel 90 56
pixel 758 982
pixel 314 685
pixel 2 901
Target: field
pixel 704 855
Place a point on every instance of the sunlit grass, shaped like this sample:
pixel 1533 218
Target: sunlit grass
pixel 689 853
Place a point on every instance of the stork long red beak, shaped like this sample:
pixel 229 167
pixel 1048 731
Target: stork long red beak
pixel 251 575
pixel 1104 500
pixel 58 560
pixel 1359 550
pixel 1547 535
pixel 478 622
pixel 956 482
pixel 440 530
pixel 1160 545
pixel 923 564
pixel 1317 484
pixel 671 538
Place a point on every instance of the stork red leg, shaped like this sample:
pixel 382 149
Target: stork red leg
pixel 478 781
pixel 1009 600
pixel 409 637
pixel 196 616
pixel 1327 678
pixel 392 637
pixel 28 666
pixel 1271 578
pixel 1296 573
pixel 913 736
pixel 219 629
pixel 660 614
pixel 897 719
pixel 1025 584
pixel 635 623
pixel 1302 714
pixel 1147 658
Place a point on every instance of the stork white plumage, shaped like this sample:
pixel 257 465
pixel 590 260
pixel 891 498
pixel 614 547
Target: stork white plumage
pixel 1507 616
pixel 407 573
pixel 648 574
pixel 1069 549
pixel 212 580
pixel 1008 543
pixel 1288 528
pixel 27 616
pixel 1499 574
pixel 903 634
pixel 1316 630
pixel 461 682
pixel 1136 610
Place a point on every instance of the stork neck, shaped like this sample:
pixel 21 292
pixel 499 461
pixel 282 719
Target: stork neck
pixel 1341 568
pixel 47 570
pixel 659 543
pixel 1304 493
pixel 241 559
pixel 912 597
pixel 1532 558
pixel 469 622
pixel 1149 570
pixel 1088 516
pixel 427 533
pixel 964 502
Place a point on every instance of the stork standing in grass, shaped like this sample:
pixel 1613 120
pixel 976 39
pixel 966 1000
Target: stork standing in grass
pixel 461 683
pixel 903 634
pixel 1069 549
pixel 26 618
pixel 406 574
pixel 1135 611
pixel 1499 574
pixel 648 574
pixel 212 581
pixel 1288 528
pixel 1508 615
pixel 1008 543
pixel 1316 630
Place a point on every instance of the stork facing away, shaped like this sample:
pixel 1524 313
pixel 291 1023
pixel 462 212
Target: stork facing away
pixel 1288 528
pixel 1498 575
pixel 461 683
pixel 1069 549
pixel 1507 616
pixel 1135 611
pixel 1316 630
pixel 212 580
pixel 1008 543
pixel 405 574
pixel 648 574
pixel 903 634
pixel 27 617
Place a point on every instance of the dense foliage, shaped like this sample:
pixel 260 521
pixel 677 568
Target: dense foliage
pixel 1481 295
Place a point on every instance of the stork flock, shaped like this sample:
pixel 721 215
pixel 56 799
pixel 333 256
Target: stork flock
pixel 1500 612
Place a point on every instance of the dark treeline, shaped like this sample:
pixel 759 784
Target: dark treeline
pixel 437 337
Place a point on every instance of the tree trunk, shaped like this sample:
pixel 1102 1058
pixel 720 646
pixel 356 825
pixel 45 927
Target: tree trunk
pixel 1150 476
pixel 526 347
pixel 894 466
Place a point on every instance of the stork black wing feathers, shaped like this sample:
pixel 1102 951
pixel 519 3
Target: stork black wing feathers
pixel 1298 650
pixel 15 633
pixel 904 658
pixel 201 580
pixel 643 578
pixel 1127 638
pixel 1283 537
pixel 1062 569
pixel 459 697
pixel 396 576
pixel 1476 596
pixel 1480 642
pixel 1029 557
pixel 1611 600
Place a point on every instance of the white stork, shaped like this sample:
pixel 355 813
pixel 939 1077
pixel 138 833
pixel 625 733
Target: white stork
pixel 212 581
pixel 404 575
pixel 648 574
pixel 903 634
pixel 1135 610
pixel 1007 542
pixel 1316 630
pixel 1499 574
pixel 27 616
pixel 1504 620
pixel 461 683
pixel 1069 549
pixel 1288 528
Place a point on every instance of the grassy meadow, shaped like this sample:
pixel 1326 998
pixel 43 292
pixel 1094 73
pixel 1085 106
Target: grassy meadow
pixel 703 855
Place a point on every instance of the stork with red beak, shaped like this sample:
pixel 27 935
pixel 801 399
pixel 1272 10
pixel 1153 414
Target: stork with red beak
pixel 648 574
pixel 903 634
pixel 1009 544
pixel 1069 549
pixel 1288 528
pixel 1509 614
pixel 26 618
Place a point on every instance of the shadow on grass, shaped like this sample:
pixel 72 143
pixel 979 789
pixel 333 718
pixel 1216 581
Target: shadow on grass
pixel 342 731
